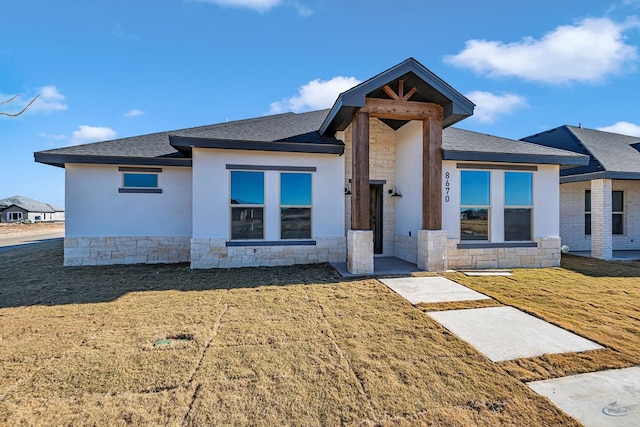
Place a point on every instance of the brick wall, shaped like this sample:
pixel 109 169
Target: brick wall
pixel 572 216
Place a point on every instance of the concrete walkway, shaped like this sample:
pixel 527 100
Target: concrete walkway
pixel 431 289
pixel 506 333
pixel 606 398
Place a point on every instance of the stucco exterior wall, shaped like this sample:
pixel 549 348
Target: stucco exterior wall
pixel 572 215
pixel 104 226
pixel 211 209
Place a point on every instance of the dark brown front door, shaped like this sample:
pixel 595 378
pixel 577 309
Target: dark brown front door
pixel 375 221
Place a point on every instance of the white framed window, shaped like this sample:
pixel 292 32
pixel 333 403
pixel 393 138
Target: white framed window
pixel 139 180
pixel 518 206
pixel 295 205
pixel 475 204
pixel 15 216
pixel 247 205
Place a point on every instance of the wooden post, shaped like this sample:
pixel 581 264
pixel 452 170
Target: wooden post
pixel 360 171
pixel 432 172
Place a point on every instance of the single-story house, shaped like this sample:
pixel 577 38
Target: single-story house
pixel 20 208
pixel 599 202
pixel 381 173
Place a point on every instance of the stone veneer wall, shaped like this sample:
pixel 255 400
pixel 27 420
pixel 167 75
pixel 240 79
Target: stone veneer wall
pixel 406 248
pixel 126 250
pixel 382 166
pixel 546 254
pixel 213 253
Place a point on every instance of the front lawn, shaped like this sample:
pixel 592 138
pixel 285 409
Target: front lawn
pixel 268 346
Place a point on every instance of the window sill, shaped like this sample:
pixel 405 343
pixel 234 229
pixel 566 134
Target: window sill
pixel 271 243
pixel 490 245
pixel 140 190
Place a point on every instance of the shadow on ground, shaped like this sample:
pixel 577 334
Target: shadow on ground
pixel 598 268
pixel 34 275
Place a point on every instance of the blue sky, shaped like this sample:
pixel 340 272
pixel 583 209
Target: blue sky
pixel 112 69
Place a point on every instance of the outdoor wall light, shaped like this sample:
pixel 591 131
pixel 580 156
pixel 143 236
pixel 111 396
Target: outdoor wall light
pixel 394 192
pixel 347 189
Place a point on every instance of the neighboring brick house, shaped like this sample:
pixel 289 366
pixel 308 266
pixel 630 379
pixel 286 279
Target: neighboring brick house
pixel 20 208
pixel 382 173
pixel 599 202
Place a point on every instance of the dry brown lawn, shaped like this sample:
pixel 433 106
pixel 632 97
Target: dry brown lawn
pixel 270 346
pixel 595 299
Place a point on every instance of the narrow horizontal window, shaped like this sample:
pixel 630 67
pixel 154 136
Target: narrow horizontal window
pixel 140 180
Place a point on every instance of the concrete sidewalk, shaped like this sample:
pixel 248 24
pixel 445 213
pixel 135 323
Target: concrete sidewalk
pixel 607 398
pixel 506 333
pixel 431 289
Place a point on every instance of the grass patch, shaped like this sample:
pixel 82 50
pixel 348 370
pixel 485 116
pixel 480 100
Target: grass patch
pixel 270 346
pixel 595 299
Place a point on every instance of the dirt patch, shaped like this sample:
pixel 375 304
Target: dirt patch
pixel 19 229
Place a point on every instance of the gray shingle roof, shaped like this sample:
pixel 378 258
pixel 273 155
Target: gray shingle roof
pixel 28 204
pixel 156 148
pixel 459 144
pixel 285 132
pixel 611 155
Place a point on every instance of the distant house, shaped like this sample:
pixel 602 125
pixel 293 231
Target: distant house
pixel 20 208
pixel 599 202
pixel 381 174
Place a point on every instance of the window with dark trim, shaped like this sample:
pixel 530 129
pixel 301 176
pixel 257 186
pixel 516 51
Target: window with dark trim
pixel 518 205
pixel 617 212
pixel 295 205
pixel 475 204
pixel 247 205
pixel 139 180
pixel 14 216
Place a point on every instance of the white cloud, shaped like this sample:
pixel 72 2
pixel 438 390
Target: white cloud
pixel 624 128
pixel 315 95
pixel 50 100
pixel 489 105
pixel 133 113
pixel 585 52
pixel 257 5
pixel 86 134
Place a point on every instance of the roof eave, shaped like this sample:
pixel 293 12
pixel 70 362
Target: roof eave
pixel 185 144
pixel 59 160
pixel 632 176
pixel 458 108
pixel 544 159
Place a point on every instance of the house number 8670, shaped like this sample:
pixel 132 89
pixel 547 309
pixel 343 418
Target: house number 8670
pixel 447 186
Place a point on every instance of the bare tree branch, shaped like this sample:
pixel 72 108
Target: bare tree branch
pixel 23 110
pixel 8 100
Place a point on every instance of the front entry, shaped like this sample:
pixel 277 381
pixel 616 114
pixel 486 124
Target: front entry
pixel 375 216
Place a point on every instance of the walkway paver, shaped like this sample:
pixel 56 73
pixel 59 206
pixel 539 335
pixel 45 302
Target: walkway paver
pixel 506 333
pixel 431 289
pixel 605 398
